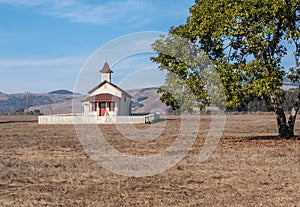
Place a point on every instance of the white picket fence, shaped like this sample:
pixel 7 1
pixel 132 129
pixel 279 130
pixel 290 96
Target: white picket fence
pixel 80 119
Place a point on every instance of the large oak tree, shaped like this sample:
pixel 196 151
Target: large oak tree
pixel 246 40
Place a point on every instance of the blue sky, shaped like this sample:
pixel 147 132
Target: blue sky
pixel 45 44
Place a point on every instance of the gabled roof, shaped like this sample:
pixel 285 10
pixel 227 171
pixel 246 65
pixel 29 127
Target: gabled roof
pixel 113 85
pixel 104 97
pixel 106 68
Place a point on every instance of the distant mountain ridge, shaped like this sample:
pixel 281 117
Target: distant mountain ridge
pixel 12 102
pixel 144 100
pixel 61 92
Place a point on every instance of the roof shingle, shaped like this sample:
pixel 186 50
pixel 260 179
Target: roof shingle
pixel 106 68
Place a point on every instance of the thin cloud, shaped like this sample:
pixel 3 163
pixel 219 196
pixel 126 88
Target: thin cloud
pixel 116 11
pixel 77 11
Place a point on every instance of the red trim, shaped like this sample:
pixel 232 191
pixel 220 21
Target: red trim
pixel 104 97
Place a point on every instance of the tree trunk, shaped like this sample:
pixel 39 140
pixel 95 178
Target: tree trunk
pixel 283 128
pixel 292 116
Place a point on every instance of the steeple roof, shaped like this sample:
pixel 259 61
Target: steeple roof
pixel 106 68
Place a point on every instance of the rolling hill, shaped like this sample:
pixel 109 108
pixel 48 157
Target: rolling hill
pixel 61 92
pixel 144 100
pixel 57 102
pixel 13 102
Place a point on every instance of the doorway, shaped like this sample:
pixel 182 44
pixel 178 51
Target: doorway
pixel 102 109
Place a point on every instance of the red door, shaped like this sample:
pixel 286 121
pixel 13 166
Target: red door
pixel 102 109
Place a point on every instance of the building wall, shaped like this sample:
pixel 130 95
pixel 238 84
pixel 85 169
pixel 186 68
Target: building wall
pixel 124 107
pixel 85 107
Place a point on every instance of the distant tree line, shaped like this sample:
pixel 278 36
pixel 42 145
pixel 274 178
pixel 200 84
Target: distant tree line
pixel 265 105
pixel 22 112
pixel 259 105
pixel 142 98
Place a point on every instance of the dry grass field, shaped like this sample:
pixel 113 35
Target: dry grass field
pixel 45 165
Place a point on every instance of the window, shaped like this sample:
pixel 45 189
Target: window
pixel 94 106
pixel 102 105
pixel 111 106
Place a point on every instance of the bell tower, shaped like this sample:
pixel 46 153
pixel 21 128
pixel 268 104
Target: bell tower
pixel 106 73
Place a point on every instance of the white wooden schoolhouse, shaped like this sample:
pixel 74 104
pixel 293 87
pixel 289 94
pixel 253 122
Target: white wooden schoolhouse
pixel 106 103
pixel 107 99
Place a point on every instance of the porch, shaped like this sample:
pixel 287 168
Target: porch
pixel 101 105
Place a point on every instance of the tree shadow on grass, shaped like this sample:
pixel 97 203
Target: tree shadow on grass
pixel 268 137
pixel 21 121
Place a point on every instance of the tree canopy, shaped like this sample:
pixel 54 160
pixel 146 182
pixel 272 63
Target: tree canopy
pixel 246 40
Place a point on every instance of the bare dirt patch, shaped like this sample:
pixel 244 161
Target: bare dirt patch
pixel 45 165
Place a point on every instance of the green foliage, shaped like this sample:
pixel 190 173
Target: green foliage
pixel 22 112
pixel 191 81
pixel 176 94
pixel 245 40
pixel 137 105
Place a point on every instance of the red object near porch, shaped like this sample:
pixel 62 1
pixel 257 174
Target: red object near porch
pixel 102 109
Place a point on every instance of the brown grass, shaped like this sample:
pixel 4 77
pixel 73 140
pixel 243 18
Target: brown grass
pixel 45 165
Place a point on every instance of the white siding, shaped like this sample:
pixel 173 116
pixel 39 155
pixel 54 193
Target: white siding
pixel 107 88
pixel 124 105
pixel 85 107
pixel 79 119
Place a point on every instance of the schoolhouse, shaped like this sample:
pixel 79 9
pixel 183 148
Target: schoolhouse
pixel 107 99
pixel 106 103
